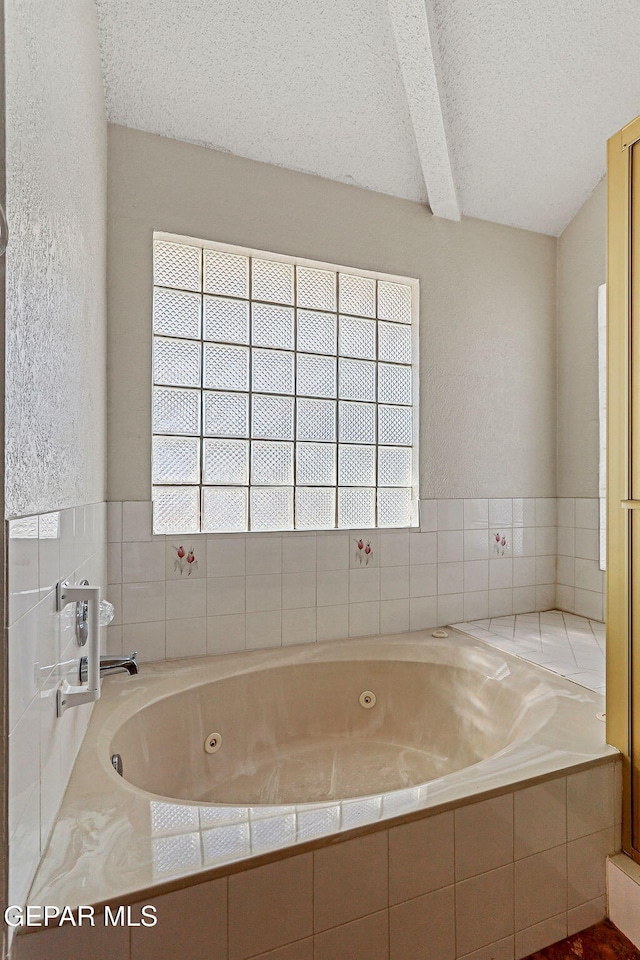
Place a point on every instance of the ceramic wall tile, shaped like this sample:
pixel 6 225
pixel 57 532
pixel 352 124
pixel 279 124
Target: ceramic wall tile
pixel 263 555
pixel 350 880
pixel 226 633
pixel 524 571
pixel 453 555
pixel 484 909
pixel 299 626
pixel 69 544
pixel 367 937
pixel 484 836
pixel 298 590
pixel 421 857
pixel 226 556
pixel 476 514
pixel 186 637
pixel 298 554
pixel 581 583
pixel 332 622
pixel 450 514
pixel 428 919
pixel 540 886
pixel 256 920
pixel 476 605
pixel 263 629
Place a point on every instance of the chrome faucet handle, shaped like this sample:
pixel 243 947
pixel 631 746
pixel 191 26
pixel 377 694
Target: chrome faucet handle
pixel 133 655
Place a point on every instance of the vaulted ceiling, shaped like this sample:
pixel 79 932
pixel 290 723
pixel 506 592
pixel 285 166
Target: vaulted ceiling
pixel 498 109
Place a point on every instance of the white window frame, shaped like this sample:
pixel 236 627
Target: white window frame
pixel 251 252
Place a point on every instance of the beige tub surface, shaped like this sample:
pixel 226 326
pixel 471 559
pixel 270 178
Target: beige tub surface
pixel 301 760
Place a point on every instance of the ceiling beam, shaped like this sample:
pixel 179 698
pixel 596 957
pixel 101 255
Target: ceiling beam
pixel 418 56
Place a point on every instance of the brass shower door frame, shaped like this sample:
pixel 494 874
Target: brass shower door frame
pixel 623 469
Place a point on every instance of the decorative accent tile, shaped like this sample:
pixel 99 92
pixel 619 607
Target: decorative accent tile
pixel 186 559
pixel 364 550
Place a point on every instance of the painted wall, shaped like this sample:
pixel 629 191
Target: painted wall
pixel 55 395
pixel 487 305
pixel 581 269
pixel 56 208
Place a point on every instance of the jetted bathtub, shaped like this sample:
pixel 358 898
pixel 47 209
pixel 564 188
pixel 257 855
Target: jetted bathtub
pixel 229 758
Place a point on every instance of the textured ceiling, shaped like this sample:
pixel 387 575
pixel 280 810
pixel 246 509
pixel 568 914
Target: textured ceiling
pixel 499 109
pixel 312 85
pixel 531 90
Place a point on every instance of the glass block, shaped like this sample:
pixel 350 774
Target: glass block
pixel 357 338
pixel 395 425
pixel 272 463
pixel 226 274
pixel 225 462
pixel 356 507
pixel 271 832
pixel 224 509
pixel 226 414
pixel 272 508
pixel 176 509
pixel 272 326
pixel 316 376
pixel 316 332
pixel 394 383
pixel 356 465
pixel 394 343
pixel 226 320
pixel 226 368
pixel 176 460
pixel 272 371
pixel 316 288
pixel 271 280
pixel 315 508
pixel 315 419
pixel 172 818
pixel 394 466
pixel 176 362
pixel 357 422
pixel 176 411
pixel 395 508
pixel 357 380
pixel 316 464
pixel 177 265
pixel 230 842
pixel 394 301
pixel 272 417
pixel 357 295
pixel 176 313
pixel 175 855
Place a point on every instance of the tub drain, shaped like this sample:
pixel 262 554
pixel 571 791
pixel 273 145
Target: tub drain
pixel 367 699
pixel 213 743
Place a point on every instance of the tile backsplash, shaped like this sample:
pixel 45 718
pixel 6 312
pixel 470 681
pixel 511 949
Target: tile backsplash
pixel 192 595
pixel 581 582
pixel 66 544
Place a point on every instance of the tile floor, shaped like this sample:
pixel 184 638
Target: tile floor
pixel 600 942
pixel 569 645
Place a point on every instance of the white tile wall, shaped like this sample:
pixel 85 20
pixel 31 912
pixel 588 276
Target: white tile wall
pixel 496 878
pixel 581 582
pixel 69 544
pixel 469 559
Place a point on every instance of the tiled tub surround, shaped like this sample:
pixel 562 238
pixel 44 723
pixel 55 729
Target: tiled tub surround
pixel 572 646
pixel 264 590
pixel 66 544
pixel 581 582
pixel 508 854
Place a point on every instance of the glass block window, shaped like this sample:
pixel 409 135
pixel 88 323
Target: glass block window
pixel 285 393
